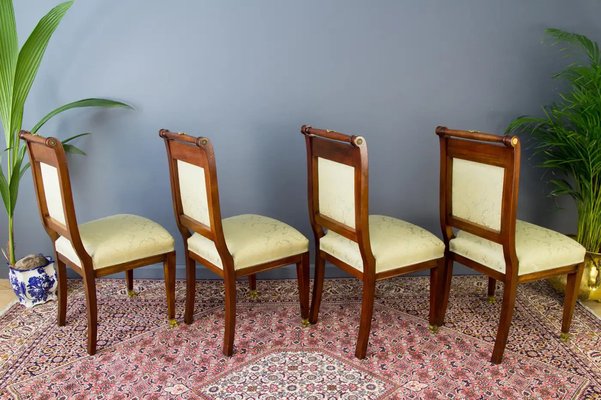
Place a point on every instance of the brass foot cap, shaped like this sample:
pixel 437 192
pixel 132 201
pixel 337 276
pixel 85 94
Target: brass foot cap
pixel 305 322
pixel 564 337
pixel 433 328
pixel 132 293
pixel 254 294
pixel 491 299
pixel 173 323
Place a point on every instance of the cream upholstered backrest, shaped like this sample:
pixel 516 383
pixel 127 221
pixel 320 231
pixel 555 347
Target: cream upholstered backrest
pixel 50 174
pixel 336 188
pixel 479 185
pixel 477 192
pixel 193 191
pixel 194 186
pixel 52 192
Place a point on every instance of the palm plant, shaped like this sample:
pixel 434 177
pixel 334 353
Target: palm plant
pixel 568 136
pixel 18 69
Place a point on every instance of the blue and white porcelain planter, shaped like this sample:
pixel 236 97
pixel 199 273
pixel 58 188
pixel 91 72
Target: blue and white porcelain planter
pixel 35 286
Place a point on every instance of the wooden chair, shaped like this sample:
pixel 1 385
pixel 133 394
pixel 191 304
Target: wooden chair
pixel 233 247
pixel 479 181
pixel 97 248
pixel 369 247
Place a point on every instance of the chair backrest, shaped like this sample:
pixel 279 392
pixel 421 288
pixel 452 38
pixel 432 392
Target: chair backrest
pixel 479 182
pixel 337 171
pixel 194 187
pixel 53 189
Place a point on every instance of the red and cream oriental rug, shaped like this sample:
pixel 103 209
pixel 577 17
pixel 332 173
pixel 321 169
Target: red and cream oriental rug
pixel 276 358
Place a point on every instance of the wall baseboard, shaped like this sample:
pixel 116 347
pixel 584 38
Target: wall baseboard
pixel 289 272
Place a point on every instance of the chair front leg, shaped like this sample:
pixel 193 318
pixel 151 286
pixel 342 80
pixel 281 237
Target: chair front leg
pixel 252 283
pixel 169 273
pixel 230 315
pixel 317 287
pixel 92 311
pixel 61 272
pixel 492 286
pixel 445 285
pixel 569 302
pixel 190 288
pixel 436 292
pixel 302 274
pixel 509 293
pixel 367 308
pixel 129 280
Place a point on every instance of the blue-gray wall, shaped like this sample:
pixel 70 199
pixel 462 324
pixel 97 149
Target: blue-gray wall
pixel 248 74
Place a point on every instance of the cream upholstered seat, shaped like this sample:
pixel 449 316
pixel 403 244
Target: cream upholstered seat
pixel 118 239
pixel 395 243
pixel 252 240
pixel 537 248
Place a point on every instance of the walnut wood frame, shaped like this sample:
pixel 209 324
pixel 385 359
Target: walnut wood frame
pixel 352 151
pixel 199 151
pixel 50 151
pixel 504 152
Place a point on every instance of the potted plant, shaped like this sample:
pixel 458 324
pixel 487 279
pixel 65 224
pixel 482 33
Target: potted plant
pixel 568 139
pixel 18 69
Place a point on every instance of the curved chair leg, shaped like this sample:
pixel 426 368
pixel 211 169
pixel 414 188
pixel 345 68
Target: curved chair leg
pixel 61 272
pixel 492 286
pixel 569 302
pixel 129 280
pixel 190 289
pixel 169 273
pixel 230 316
pixel 446 277
pixel 509 293
pixel 320 264
pixel 92 312
pixel 435 294
pixel 302 274
pixel 367 308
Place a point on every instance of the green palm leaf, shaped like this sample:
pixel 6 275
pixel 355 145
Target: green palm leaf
pixel 94 102
pixel 8 63
pixel 31 55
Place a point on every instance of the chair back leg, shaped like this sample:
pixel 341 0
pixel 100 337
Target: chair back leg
pixel 89 283
pixel 320 264
pixel 230 315
pixel 509 293
pixel 367 308
pixel 569 302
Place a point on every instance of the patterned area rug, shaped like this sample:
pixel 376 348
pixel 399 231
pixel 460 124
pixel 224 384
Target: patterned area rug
pixel 276 358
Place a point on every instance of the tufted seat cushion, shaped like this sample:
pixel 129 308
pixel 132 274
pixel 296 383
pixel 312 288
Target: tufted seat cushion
pixel 395 243
pixel 118 239
pixel 537 249
pixel 252 240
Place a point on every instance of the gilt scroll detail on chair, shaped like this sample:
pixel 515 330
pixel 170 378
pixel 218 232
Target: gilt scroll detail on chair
pixel 238 246
pixel 105 246
pixel 479 182
pixel 369 247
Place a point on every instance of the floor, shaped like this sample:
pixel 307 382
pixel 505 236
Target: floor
pixel 7 296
